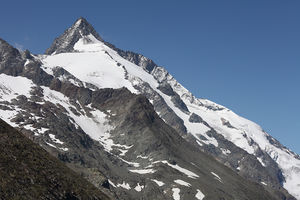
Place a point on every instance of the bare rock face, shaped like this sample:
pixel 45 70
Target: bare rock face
pixel 194 118
pixel 10 58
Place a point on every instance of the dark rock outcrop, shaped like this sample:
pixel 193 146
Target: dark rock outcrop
pixel 29 172
pixel 194 118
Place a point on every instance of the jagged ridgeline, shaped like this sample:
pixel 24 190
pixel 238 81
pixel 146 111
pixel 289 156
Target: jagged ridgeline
pixel 125 124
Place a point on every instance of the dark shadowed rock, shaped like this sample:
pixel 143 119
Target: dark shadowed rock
pixel 194 118
pixel 179 103
pixel 29 172
pixel 166 89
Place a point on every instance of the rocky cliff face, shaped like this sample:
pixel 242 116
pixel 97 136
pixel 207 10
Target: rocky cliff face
pixel 149 136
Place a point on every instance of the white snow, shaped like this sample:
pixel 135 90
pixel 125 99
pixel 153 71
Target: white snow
pixel 176 195
pixel 42 130
pixel 110 112
pixel 123 148
pixel 55 140
pixel 97 126
pixel 181 182
pixel 200 144
pixel 27 62
pixel 92 65
pixel 134 164
pixel 217 176
pixel 143 171
pixel 143 157
pixel 263 183
pixel 261 161
pixel 194 128
pixel 124 185
pixel 51 145
pixel 139 187
pixel 188 173
pixel 199 195
pixel 64 149
pixel 29 127
pixel 225 151
pixel 111 183
pixel 7 115
pixel 159 183
pixel 96 64
pixel 11 87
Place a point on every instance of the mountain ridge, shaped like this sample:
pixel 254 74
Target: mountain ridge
pixel 171 101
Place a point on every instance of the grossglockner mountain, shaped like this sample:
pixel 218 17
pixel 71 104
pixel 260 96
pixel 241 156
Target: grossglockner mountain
pixel 125 124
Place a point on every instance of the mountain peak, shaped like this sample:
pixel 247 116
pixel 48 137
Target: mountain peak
pixel 81 20
pixel 68 39
pixel 83 25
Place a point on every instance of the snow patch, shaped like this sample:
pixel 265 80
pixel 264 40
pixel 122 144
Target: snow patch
pixel 129 163
pixel 261 161
pixel 97 126
pixel 42 130
pixel 143 157
pixel 51 145
pixel 143 171
pixel 55 140
pixel 11 87
pixel 139 187
pixel 111 183
pixel 188 173
pixel 124 185
pixel 225 151
pixel 181 182
pixel 217 176
pixel 159 183
pixel 176 195
pixel 29 127
pixel 199 195
pixel 263 183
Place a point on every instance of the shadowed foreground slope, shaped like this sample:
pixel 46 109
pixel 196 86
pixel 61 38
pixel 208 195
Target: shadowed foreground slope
pixel 28 172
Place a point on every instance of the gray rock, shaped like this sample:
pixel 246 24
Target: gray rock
pixel 194 118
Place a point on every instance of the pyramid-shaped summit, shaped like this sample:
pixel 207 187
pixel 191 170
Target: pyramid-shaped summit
pixel 68 39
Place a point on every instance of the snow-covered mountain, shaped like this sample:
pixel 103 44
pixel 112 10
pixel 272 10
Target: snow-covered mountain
pixel 68 85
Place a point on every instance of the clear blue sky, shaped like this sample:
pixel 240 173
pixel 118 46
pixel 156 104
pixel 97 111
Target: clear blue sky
pixel 243 54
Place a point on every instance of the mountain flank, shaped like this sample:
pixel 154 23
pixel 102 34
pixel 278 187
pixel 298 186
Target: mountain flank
pixel 27 171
